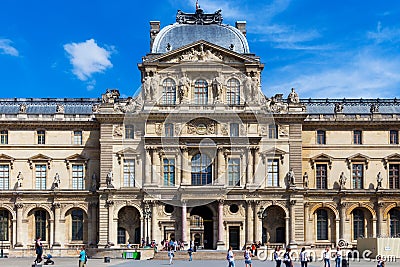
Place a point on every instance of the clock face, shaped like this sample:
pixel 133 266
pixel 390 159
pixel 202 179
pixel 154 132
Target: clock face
pixel 201 128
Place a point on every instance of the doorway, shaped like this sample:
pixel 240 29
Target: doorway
pixel 234 237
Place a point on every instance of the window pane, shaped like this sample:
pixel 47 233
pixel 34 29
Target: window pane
pixel 234 129
pixel 41 137
pixel 233 92
pixel 357 137
pixel 358 224
pixel 4 137
pixel 321 137
pixel 4 177
pixel 273 172
pixel 358 176
pixel 40 224
pixel 77 177
pixel 77 224
pixel 77 137
pixel 121 238
pixel 40 174
pixel 394 137
pixel 272 131
pixel 169 172
pixel 394 222
pixel 321 176
pixel 4 225
pixel 234 172
pixel 201 170
pixel 129 172
pixel 129 132
pixel 169 129
pixel 394 180
pixel 200 92
pixel 169 92
pixel 322 224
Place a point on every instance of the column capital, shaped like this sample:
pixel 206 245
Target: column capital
pixel 109 203
pixel 19 205
pixel 221 201
pixel 56 205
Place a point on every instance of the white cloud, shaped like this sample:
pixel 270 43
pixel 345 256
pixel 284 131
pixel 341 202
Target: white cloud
pixel 7 48
pixel 384 34
pixel 88 58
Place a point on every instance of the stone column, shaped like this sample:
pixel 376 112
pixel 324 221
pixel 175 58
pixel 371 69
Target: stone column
pixel 147 167
pixel 92 223
pixel 154 161
pixel 287 229
pixel 220 243
pixel 220 167
pixel 249 220
pixel 178 168
pixel 306 214
pixel 256 169
pixel 110 206
pixel 379 216
pixel 185 167
pixel 292 203
pixel 19 231
pixel 257 223
pixel 342 212
pixel 184 222
pixel 57 232
pixel 14 232
pixel 51 226
pixel 153 220
pixel 249 166
pixel 374 228
pixel 337 222
pixel 142 230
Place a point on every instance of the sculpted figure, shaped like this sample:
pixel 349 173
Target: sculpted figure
pixel 305 180
pixel 57 181
pixel 217 88
pixel 22 108
pixel 338 107
pixel 147 88
pixel 293 97
pixel 342 180
pixel 379 179
pixel 20 178
pixel 248 88
pixel 290 177
pixel 93 186
pixel 109 179
pixel 184 86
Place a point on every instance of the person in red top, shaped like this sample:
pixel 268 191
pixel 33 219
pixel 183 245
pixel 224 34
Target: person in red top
pixel 253 248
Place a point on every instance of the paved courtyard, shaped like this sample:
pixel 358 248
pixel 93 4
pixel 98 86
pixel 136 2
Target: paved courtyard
pixel 73 262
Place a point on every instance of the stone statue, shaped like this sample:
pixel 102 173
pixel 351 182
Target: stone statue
pixel 20 178
pixel 254 88
pixel 374 108
pixel 155 82
pixel 110 96
pixel 22 108
pixel 217 89
pixel 60 108
pixel 293 97
pixel 109 179
pixel 57 181
pixel 93 186
pixel 184 87
pixel 379 179
pixel 305 180
pixel 147 88
pixel 342 180
pixel 248 88
pixel 290 177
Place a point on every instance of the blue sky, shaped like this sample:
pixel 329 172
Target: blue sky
pixel 80 48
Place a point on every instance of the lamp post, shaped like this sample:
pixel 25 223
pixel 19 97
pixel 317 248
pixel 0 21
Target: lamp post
pixel 147 216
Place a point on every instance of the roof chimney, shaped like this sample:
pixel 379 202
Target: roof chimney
pixel 241 26
pixel 154 30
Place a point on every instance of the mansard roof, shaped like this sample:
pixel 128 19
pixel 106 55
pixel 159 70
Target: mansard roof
pixel 189 29
pixel 47 105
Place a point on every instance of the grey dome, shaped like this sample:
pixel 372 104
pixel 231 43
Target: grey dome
pixel 178 35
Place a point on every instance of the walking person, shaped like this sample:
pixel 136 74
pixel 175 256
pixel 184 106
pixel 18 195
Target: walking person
pixel 230 257
pixel 303 257
pixel 247 257
pixel 277 257
pixel 327 257
pixel 338 259
pixel 287 259
pixel 38 249
pixel 190 252
pixel 82 257
pixel 170 254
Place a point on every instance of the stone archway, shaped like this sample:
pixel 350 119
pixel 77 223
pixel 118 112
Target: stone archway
pixel 128 225
pixel 202 227
pixel 273 225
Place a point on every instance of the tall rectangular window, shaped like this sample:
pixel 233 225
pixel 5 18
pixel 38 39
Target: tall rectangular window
pixel 322 224
pixel 169 129
pixel 321 135
pixel 169 172
pixel 200 92
pixel 40 174
pixel 394 137
pixel 394 179
pixel 273 172
pixel 321 176
pixel 77 137
pixel 234 172
pixel 234 129
pixel 41 224
pixel 4 177
pixel 41 137
pixel 129 173
pixel 129 132
pixel 358 176
pixel 357 137
pixel 77 177
pixel 4 225
pixel 77 225
pixel 4 137
pixel 272 131
pixel 233 92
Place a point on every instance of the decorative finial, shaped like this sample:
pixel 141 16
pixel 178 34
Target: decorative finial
pixel 197 5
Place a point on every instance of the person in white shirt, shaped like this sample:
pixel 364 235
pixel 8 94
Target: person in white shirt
pixel 230 257
pixel 327 257
pixel 277 257
pixel 338 257
pixel 303 257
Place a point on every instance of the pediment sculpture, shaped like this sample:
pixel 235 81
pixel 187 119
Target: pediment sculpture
pixel 200 54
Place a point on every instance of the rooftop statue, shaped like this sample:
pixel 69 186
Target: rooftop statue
pixel 199 17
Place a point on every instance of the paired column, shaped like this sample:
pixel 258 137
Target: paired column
pixel 184 222
pixel 342 212
pixel 292 203
pixel 249 220
pixel 220 167
pixel 185 167
pixel 379 215
pixel 257 223
pixel 147 167
pixel 57 212
pixel 221 221
pixel 18 239
pixel 155 157
pixel 110 206
pixel 249 166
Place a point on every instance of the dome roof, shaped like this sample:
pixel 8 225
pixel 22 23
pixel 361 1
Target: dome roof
pixel 177 35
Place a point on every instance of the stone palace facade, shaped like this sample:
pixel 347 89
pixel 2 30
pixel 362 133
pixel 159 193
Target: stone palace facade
pixel 199 155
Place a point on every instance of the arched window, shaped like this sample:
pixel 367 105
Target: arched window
pixel 4 225
pixel 40 224
pixel 394 222
pixel 201 169
pixel 233 92
pixel 200 92
pixel 77 225
pixel 169 92
pixel 322 224
pixel 358 224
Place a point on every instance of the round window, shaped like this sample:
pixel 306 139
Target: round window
pixel 233 208
pixel 168 208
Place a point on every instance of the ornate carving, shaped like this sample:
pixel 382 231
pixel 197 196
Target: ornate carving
pixel 95 108
pixel 243 130
pixel 20 178
pixel 217 88
pixel 110 96
pixel 342 181
pixel 290 178
pixel 201 127
pixel 292 202
pixel 224 129
pixel 22 108
pixel 283 130
pixel 60 108
pixel 275 104
pixel 130 106
pixel 379 179
pixel 199 54
pixel 109 179
pixel 56 205
pixel 118 131
pixel 338 108
pixel 199 17
pixel 56 182
pixel 374 108
pixel 150 86
pixel 184 88
pixel 109 203
pixel 305 180
pixel 158 128
pixel 293 97
pixel 19 205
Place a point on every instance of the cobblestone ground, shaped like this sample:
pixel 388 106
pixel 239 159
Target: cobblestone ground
pixel 73 262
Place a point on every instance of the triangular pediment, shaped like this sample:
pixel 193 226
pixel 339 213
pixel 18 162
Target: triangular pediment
pixel 321 157
pixel 127 151
pixel 201 51
pixel 4 157
pixel 393 157
pixel 275 151
pixel 40 157
pixel 358 157
pixel 77 157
